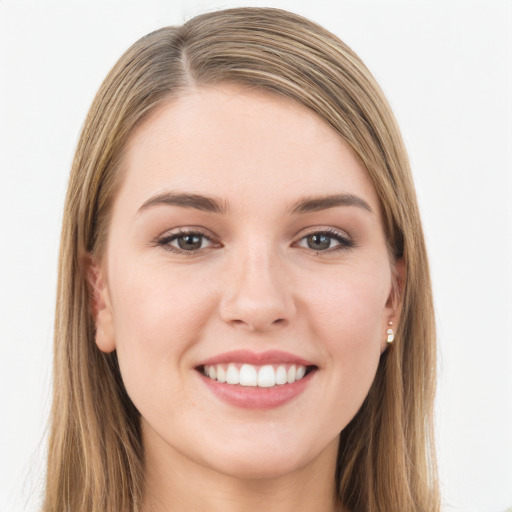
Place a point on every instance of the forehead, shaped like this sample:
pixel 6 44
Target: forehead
pixel 248 146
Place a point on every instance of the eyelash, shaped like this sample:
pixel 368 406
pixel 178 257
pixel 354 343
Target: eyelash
pixel 344 242
pixel 165 241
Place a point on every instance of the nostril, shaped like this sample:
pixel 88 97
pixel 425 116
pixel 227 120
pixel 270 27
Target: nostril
pixel 258 325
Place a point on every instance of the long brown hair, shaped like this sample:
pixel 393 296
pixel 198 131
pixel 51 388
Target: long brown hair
pixel 386 458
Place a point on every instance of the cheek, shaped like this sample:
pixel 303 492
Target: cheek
pixel 158 309
pixel 347 318
pixel 157 318
pixel 351 307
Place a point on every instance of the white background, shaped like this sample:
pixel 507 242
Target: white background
pixel 446 68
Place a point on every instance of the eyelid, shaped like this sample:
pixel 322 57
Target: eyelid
pixel 344 239
pixel 330 230
pixel 170 235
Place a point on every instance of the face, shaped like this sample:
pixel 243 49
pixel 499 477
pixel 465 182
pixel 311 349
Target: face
pixel 246 243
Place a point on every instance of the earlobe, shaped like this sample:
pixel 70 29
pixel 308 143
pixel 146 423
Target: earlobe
pixel 105 339
pixel 100 306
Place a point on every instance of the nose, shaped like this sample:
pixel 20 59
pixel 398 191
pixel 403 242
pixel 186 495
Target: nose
pixel 257 293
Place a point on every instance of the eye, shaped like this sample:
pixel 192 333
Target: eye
pixel 190 242
pixel 325 240
pixel 185 242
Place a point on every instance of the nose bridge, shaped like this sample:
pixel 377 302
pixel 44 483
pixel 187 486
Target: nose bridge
pixel 257 292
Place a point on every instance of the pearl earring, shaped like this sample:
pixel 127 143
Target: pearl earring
pixel 390 334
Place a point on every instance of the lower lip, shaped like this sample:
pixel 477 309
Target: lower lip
pixel 252 397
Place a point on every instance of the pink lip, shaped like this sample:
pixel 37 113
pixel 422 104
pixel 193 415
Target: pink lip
pixel 257 398
pixel 255 358
pixel 248 397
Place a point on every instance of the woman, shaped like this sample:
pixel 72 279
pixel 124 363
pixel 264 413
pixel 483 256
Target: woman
pixel 244 315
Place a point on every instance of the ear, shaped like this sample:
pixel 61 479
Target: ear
pixel 394 302
pixel 100 305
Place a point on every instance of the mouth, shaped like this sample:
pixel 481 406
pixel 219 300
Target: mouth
pixel 251 375
pixel 256 380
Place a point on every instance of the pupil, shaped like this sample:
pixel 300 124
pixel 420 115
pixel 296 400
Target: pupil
pixel 319 242
pixel 189 242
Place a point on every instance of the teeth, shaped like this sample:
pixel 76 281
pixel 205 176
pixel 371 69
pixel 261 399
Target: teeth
pixel 301 371
pixel 221 374
pixel 232 375
pixel 266 376
pixel 292 372
pixel 248 375
pixel 281 376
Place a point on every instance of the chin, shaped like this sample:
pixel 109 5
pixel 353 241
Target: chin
pixel 258 468
pixel 269 460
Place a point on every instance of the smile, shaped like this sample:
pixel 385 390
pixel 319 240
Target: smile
pixel 265 376
pixel 252 380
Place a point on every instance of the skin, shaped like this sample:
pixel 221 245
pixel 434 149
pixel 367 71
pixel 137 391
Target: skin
pixel 254 284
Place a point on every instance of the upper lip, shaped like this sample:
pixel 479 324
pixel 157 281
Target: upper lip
pixel 256 358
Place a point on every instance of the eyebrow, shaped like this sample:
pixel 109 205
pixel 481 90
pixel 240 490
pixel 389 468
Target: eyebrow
pixel 214 205
pixel 196 201
pixel 315 204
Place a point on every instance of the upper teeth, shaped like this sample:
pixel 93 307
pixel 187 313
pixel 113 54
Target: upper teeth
pixel 249 375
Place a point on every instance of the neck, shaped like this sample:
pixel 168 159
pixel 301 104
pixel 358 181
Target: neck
pixel 175 483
